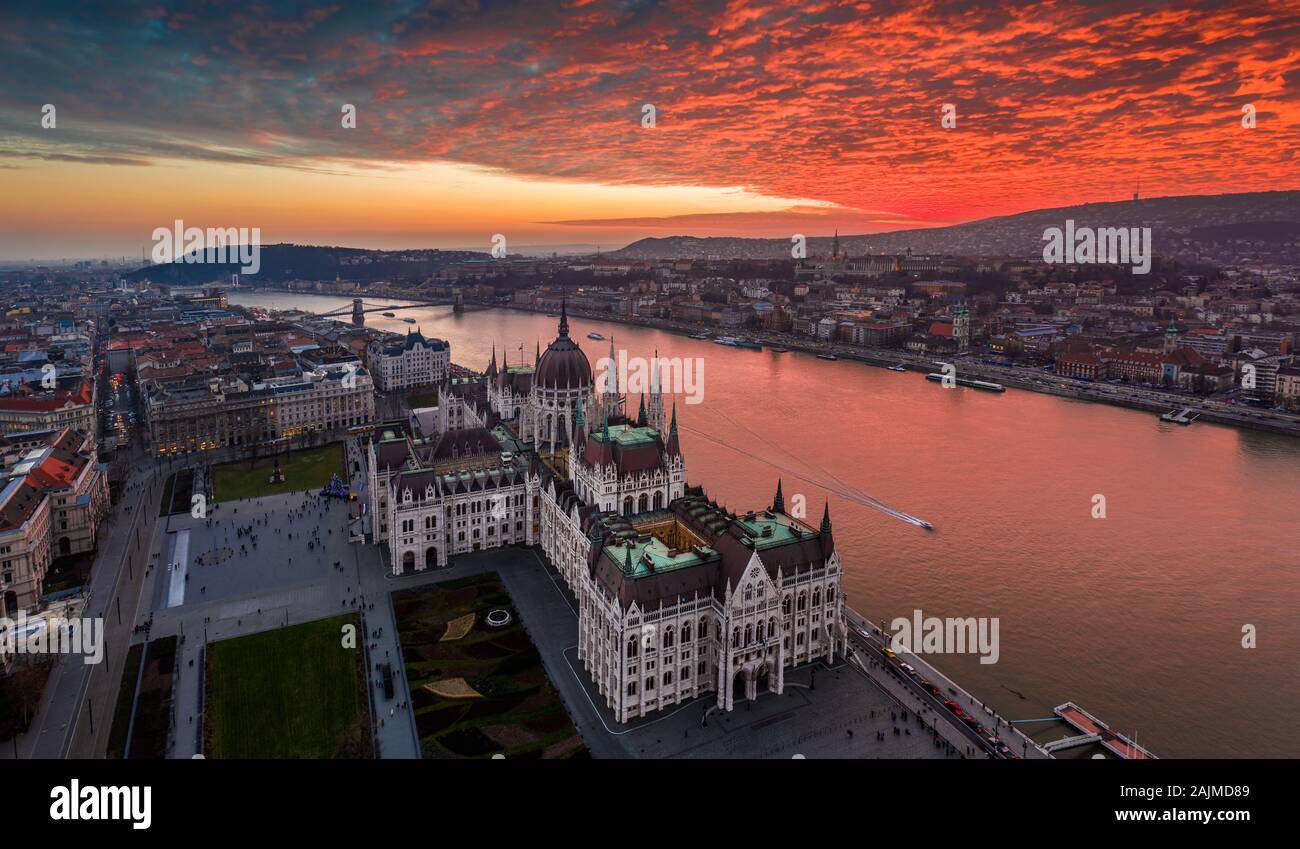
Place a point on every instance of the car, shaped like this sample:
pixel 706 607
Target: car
pixel 888 652
pixel 952 706
pixel 908 668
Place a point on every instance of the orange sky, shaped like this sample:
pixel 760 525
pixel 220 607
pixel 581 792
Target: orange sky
pixel 771 119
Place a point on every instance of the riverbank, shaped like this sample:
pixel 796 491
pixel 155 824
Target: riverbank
pixel 1032 380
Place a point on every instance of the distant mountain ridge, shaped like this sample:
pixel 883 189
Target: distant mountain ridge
pixel 1020 234
pixel 283 262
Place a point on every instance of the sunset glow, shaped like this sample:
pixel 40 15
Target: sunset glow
pixel 768 120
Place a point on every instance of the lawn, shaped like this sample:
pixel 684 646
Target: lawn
pixel 177 493
pixel 289 693
pixel 303 469
pixel 519 715
pixel 125 697
pixel 422 399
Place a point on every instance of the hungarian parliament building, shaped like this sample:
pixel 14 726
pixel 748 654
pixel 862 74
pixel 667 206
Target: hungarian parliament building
pixel 677 597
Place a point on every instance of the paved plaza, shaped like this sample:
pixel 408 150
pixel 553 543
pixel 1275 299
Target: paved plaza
pixel 814 723
pixel 257 564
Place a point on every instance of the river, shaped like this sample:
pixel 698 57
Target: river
pixel 1137 616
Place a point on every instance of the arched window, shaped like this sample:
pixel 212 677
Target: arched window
pixel 771 629
pixel 735 638
pixel 668 677
pixel 627 506
pixel 686 633
pixel 830 595
pixel 686 672
pixel 817 598
pixel 758 632
pixel 749 634
pixel 785 605
pixel 704 628
pixel 803 601
pixel 632 647
pixel 643 504
pixel 668 640
pixel 659 499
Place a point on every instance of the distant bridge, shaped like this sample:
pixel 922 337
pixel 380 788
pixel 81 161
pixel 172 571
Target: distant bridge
pixel 359 308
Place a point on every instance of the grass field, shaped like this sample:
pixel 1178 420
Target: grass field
pixel 289 693
pixel 303 469
pixel 125 697
pixel 422 399
pixel 520 714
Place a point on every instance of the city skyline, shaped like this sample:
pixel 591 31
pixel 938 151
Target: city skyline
pixel 767 121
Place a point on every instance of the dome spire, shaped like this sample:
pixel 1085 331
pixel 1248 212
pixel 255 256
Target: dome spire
pixel 564 318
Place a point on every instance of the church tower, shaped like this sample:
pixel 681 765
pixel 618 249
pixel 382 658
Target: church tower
pixel 961 327
pixel 609 398
pixel 654 411
pixel 1171 338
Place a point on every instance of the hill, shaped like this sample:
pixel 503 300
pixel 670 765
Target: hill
pixel 1171 219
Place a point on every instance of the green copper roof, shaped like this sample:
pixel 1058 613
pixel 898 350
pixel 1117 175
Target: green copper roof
pixel 626 435
pixel 660 558
pixel 780 529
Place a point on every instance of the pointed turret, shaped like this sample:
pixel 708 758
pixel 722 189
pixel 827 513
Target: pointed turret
pixel 674 447
pixel 492 366
pixel 609 393
pixel 564 318
pixel 640 415
pixel 579 428
pixel 655 407
pixel 537 358
pixel 778 503
pixel 826 518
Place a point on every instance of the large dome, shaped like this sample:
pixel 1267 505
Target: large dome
pixel 563 365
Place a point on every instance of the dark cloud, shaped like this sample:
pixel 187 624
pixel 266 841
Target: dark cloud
pixel 841 103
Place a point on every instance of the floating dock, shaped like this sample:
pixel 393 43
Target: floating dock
pixel 1184 416
pixel 1093 730
pixel 966 381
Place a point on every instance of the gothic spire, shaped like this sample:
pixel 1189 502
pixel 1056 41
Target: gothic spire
pixel 640 416
pixel 778 504
pixel 826 518
pixel 674 447
pixel 564 318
